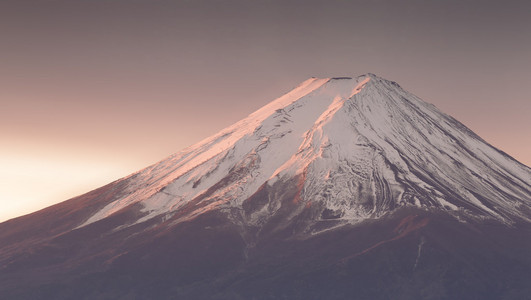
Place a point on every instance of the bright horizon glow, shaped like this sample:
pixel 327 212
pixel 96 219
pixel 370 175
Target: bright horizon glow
pixel 32 183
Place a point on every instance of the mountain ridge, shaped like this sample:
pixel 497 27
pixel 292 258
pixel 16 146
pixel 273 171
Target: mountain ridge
pixel 340 188
pixel 315 103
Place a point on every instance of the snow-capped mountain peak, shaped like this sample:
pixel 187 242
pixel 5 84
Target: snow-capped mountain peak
pixel 352 148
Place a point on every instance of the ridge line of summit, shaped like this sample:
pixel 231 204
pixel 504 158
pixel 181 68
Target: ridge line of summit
pixel 342 127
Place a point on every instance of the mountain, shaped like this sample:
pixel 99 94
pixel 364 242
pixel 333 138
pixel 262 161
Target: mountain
pixel 344 188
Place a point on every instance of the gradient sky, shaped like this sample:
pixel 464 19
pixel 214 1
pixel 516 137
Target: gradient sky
pixel 91 91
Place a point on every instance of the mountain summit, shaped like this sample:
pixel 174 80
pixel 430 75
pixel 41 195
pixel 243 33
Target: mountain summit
pixel 357 148
pixel 294 201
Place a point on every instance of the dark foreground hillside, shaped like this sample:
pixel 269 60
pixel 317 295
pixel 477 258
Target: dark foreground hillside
pixel 411 254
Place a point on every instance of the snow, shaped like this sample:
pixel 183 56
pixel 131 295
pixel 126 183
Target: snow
pixel 364 145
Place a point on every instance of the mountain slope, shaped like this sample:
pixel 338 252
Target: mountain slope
pixel 338 185
pixel 364 139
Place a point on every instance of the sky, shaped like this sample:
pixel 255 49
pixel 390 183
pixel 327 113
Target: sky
pixel 91 91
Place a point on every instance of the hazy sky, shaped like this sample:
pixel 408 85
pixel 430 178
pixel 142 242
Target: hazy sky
pixel 93 90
